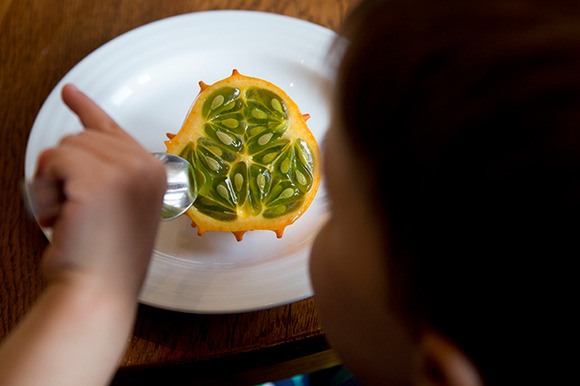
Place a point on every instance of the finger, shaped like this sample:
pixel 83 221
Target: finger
pixel 45 198
pixel 90 114
pixel 45 193
pixel 111 149
pixel 42 158
pixel 48 192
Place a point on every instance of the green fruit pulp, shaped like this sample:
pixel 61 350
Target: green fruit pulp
pixel 246 164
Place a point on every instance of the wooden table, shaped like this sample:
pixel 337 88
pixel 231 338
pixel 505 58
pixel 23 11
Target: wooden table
pixel 40 40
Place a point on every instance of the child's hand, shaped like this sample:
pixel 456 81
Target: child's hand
pixel 111 191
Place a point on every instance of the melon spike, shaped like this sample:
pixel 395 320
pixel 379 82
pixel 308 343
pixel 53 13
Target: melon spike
pixel 239 235
pixel 203 85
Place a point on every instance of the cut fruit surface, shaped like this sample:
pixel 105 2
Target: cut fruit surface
pixel 255 162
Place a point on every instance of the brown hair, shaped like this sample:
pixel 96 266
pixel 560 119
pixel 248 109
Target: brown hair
pixel 468 114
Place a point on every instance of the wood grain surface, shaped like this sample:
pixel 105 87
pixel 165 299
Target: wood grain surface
pixel 40 41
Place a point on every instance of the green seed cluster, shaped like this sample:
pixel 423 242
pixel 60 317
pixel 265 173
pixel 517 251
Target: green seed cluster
pixel 246 164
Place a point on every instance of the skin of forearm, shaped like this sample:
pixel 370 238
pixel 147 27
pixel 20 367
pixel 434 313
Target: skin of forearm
pixel 75 334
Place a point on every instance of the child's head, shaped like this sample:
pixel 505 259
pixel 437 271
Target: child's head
pixel 453 168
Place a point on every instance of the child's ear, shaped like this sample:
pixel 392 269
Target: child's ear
pixel 444 364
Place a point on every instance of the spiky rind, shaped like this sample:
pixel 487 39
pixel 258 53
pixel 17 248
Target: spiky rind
pixel 256 162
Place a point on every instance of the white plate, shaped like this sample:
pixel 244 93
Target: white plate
pixel 146 80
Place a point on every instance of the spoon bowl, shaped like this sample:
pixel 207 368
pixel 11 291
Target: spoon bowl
pixel 181 188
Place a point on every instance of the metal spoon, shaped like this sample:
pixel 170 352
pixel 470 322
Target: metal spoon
pixel 181 189
pixel 43 199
